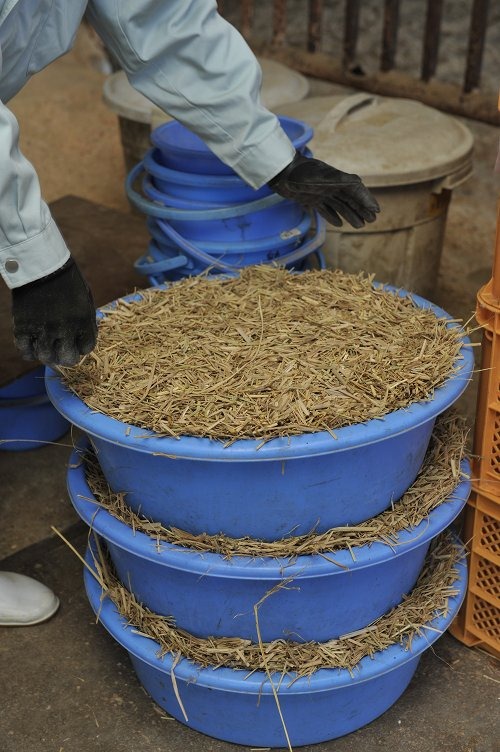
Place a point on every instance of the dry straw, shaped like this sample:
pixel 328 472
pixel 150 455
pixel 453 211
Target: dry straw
pixel 265 354
pixel 436 482
pixel 428 599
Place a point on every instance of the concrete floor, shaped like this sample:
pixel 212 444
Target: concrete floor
pixel 66 686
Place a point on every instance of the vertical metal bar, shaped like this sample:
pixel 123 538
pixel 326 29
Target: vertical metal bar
pixel 246 18
pixel 351 30
pixel 279 23
pixel 431 39
pixel 314 29
pixel 477 34
pixel 390 34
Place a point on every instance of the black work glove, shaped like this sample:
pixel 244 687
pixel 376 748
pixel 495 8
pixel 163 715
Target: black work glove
pixel 54 317
pixel 333 193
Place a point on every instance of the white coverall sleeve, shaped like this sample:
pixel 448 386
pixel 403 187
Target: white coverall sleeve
pixel 189 61
pixel 31 245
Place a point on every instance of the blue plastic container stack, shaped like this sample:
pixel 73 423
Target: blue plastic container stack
pixel 286 487
pixel 201 215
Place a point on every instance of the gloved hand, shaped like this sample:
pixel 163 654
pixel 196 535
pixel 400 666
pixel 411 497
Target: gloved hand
pixel 54 317
pixel 333 193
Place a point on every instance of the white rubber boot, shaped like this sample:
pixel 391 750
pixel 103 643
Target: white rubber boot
pixel 24 601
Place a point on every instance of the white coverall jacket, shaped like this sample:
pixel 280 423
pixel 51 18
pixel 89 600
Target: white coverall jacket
pixel 179 53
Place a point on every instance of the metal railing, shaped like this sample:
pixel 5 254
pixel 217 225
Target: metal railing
pixel 468 99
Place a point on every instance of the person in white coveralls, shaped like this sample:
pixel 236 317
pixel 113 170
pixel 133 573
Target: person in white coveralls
pixel 192 64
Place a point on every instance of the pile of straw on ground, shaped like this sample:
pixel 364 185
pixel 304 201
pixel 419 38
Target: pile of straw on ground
pixel 262 355
pixel 429 598
pixel 439 476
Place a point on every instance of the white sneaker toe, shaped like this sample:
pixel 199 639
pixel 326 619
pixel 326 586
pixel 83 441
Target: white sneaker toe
pixel 24 601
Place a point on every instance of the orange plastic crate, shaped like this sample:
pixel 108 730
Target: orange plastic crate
pixel 478 622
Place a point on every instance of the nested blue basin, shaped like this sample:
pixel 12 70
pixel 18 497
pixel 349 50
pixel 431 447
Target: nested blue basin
pixel 166 263
pixel 208 189
pixel 273 221
pixel 286 486
pixel 180 149
pixel 231 705
pixel 209 595
pixel 235 253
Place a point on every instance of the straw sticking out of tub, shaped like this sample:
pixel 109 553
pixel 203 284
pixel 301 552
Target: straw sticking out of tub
pixel 428 599
pixel 264 355
pixel 439 477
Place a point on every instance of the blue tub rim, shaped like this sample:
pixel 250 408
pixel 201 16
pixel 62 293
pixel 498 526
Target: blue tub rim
pixel 143 546
pixel 307 133
pixel 290 235
pixel 200 180
pixel 301 446
pixel 238 680
pixel 190 206
pixel 154 194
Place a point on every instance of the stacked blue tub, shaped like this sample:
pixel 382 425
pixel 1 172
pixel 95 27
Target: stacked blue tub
pixel 28 420
pixel 201 215
pixel 284 487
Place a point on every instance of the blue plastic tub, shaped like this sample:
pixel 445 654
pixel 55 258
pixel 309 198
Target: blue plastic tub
pixel 28 420
pixel 164 263
pixel 272 222
pixel 234 254
pixel 250 252
pixel 234 706
pixel 179 149
pixel 209 595
pixel 196 199
pixel 190 246
pixel 287 486
pixel 221 189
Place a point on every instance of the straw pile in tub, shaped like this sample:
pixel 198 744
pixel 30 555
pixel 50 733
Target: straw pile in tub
pixel 263 355
pixel 439 476
pixel 428 599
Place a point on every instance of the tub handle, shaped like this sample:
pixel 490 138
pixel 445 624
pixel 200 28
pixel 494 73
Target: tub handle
pixel 329 123
pixel 146 267
pixel 159 211
pixel 191 250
